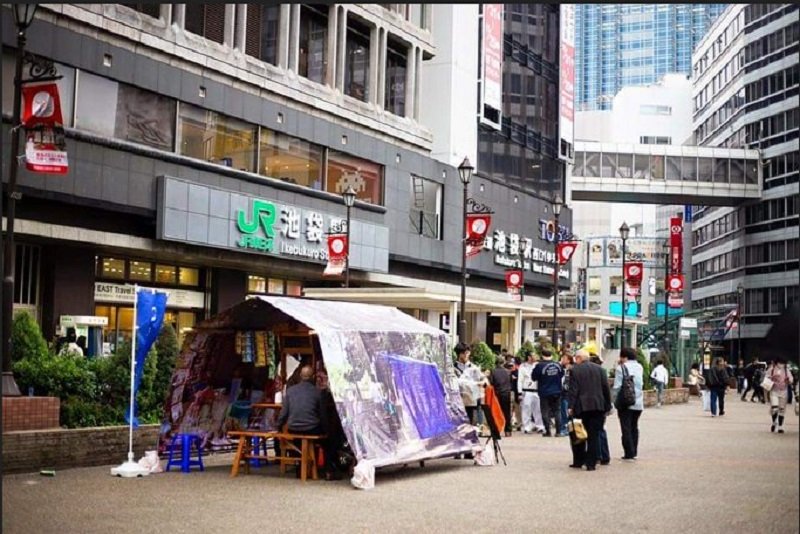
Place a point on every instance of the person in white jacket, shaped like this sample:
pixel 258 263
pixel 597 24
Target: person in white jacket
pixel 660 377
pixel 527 387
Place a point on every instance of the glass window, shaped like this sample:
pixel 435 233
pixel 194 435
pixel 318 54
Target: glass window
pixel 673 168
pixel 356 69
pixel 641 166
pixel 290 159
pixel 256 284
pixel 594 285
pixel 140 270
pixel 66 87
pixel 751 171
pixel 139 116
pixel 189 276
pixel 313 58
pixel 294 288
pixel 657 167
pixel 275 286
pixel 165 274
pixel 624 165
pixel 216 138
pixel 365 177
pixel 737 171
pixel 689 168
pixel 704 169
pixel 261 40
pixel 395 91
pixel 426 203
pixel 721 170
pixel 615 285
pixel 608 165
pixel 592 165
pixel 207 20
pixel 112 268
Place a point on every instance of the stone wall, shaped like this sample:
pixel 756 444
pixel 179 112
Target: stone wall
pixel 671 396
pixel 30 413
pixel 32 450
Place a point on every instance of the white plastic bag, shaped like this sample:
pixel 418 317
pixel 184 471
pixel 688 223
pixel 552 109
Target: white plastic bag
pixel 151 462
pixel 363 475
pixel 706 400
pixel 486 456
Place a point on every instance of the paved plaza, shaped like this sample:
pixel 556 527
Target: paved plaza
pixel 694 474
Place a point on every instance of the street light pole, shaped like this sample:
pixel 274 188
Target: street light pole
pixel 23 16
pixel 556 213
pixel 624 231
pixel 465 174
pixel 349 197
pixel 740 318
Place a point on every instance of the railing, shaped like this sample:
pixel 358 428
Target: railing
pixel 425 223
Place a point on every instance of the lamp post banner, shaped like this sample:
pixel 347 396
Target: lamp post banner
pixel 477 228
pixel 45 144
pixel 676 244
pixel 565 251
pixel 514 283
pixel 675 283
pixel 337 254
pixel 634 271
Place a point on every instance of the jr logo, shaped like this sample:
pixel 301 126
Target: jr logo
pixel 263 217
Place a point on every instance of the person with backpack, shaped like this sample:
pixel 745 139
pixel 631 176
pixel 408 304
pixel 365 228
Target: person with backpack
pixel 781 382
pixel 717 383
pixel 754 374
pixel 548 374
pixel 629 400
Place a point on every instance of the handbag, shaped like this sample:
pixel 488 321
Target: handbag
pixel 575 427
pixel 767 383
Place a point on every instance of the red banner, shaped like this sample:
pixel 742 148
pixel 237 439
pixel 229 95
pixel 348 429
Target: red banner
pixel 45 144
pixel 514 283
pixel 675 283
pixel 676 244
pixel 477 228
pixel 634 272
pixel 337 255
pixel 565 250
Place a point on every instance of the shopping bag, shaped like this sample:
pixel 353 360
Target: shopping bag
pixel 486 456
pixel 767 383
pixel 363 475
pixel 706 400
pixel 576 428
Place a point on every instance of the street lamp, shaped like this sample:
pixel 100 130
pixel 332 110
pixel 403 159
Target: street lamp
pixel 557 204
pixel 23 17
pixel 624 231
pixel 739 298
pixel 349 197
pixel 465 175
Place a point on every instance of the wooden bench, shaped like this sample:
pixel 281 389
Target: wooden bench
pixel 247 451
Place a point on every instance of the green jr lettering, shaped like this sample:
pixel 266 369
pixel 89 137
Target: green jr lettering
pixel 263 216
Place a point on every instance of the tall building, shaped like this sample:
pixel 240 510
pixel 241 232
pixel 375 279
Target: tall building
pixel 617 45
pixel 745 89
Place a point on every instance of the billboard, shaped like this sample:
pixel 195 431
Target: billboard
pixel 607 251
pixel 566 81
pixel 492 64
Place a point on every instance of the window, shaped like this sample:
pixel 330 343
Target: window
pixel 395 91
pixel 26 282
pixel 165 274
pixel 294 288
pixel 365 177
pixel 594 285
pixel 66 87
pixel 648 109
pixel 188 276
pixel 356 69
pixel 121 111
pixel 615 285
pixel 140 270
pixel 112 268
pixel 313 58
pixel 290 159
pixel 274 286
pixel 256 284
pixel 207 20
pixel 262 32
pixel 216 138
pixel 151 10
pixel 654 140
pixel 426 203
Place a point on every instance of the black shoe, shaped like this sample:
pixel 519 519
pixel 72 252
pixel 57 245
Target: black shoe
pixel 591 468
pixel 721 414
pixel 772 428
pixel 628 458
pixel 605 462
pixel 575 466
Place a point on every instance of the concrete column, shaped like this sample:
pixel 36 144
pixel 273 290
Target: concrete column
pixel 516 342
pixel 283 36
pixel 230 24
pixel 427 17
pixel 166 12
pixel 381 96
pixel 294 37
pixel 411 77
pixel 374 63
pixel 417 70
pixel 453 322
pixel 240 32
pixel 341 47
pixel 179 15
pixel 333 25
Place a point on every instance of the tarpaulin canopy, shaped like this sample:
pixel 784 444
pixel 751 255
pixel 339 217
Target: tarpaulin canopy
pixel 391 376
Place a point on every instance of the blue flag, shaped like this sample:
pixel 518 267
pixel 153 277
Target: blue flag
pixel 150 308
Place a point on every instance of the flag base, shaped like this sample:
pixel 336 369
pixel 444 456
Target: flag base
pixel 129 469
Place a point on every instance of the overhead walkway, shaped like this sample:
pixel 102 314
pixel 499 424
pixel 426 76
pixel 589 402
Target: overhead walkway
pixel 665 174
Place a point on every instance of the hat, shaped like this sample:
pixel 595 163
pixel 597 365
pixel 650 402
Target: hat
pixel 509 363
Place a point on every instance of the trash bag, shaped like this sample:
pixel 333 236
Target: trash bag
pixel 363 475
pixel 486 456
pixel 706 400
pixel 151 462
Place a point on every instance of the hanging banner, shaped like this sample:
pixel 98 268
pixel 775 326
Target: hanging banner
pixel 676 244
pixel 634 272
pixel 581 289
pixel 675 299
pixel 492 64
pixel 514 284
pixel 675 283
pixel 565 251
pixel 566 80
pixel 45 142
pixel 337 255
pixel 477 228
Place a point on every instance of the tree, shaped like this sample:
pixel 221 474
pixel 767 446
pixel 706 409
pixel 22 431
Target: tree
pixel 640 357
pixel 527 346
pixel 167 349
pixel 26 337
pixel 482 356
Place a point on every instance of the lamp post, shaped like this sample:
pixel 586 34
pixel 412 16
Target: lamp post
pixel 739 298
pixel 23 17
pixel 349 197
pixel 465 175
pixel 557 204
pixel 624 231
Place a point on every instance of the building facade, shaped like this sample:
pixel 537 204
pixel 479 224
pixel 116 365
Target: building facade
pixel 745 78
pixel 209 145
pixel 618 45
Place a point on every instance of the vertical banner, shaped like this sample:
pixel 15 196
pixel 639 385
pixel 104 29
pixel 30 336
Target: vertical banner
pixel 337 254
pixel 582 305
pixel 676 244
pixel 477 228
pixel 150 308
pixel 514 283
pixel 566 81
pixel 634 273
pixel 45 142
pixel 492 64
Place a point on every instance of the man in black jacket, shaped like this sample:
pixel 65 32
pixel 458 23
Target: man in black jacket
pixel 590 400
pixel 500 379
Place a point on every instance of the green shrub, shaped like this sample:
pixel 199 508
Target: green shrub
pixel 482 355
pixel 642 359
pixel 166 347
pixel 26 337
pixel 527 346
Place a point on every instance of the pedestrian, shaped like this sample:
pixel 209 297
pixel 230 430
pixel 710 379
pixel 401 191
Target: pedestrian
pixel 754 373
pixel 603 452
pixel 717 383
pixel 548 375
pixel 629 415
pixel 739 373
pixel 527 387
pixel 660 377
pixel 696 379
pixel 589 400
pixel 566 362
pixel 782 381
pixel 500 378
pixel 513 367
pixel 469 379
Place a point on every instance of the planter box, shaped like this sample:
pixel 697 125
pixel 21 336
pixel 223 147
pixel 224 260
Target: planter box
pixel 671 396
pixel 676 382
pixel 30 413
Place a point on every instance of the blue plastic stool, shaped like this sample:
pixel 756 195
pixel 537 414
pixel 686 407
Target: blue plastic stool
pixel 258 445
pixel 185 461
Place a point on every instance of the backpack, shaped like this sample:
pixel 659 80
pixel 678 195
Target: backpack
pixel 627 392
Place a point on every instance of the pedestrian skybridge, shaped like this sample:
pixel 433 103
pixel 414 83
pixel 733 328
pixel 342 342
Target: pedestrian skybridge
pixel 665 174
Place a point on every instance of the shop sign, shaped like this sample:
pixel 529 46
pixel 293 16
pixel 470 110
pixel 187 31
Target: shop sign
pixel 83 320
pixel 301 231
pixel 124 294
pixel 688 322
pixel 513 251
pixel 547 231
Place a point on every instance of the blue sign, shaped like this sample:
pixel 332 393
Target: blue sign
pixel 615 309
pixel 150 308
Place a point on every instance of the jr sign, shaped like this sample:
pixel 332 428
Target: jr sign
pixel 257 231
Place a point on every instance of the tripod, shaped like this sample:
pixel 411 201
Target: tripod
pixel 498 452
pixel 494 432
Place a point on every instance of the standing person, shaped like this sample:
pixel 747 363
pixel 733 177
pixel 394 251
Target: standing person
pixel 469 377
pixel 739 373
pixel 589 400
pixel 629 415
pixel 527 387
pixel 566 362
pixel 660 377
pixel 717 383
pixel 603 452
pixel 516 407
pixel 500 378
pixel 782 381
pixel 548 375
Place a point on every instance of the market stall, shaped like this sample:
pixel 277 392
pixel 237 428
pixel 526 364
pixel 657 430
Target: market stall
pixel 390 375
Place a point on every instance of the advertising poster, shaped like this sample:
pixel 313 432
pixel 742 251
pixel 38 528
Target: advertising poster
pixel 566 80
pixel 596 252
pixel 492 60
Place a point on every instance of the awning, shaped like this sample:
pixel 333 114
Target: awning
pixel 583 316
